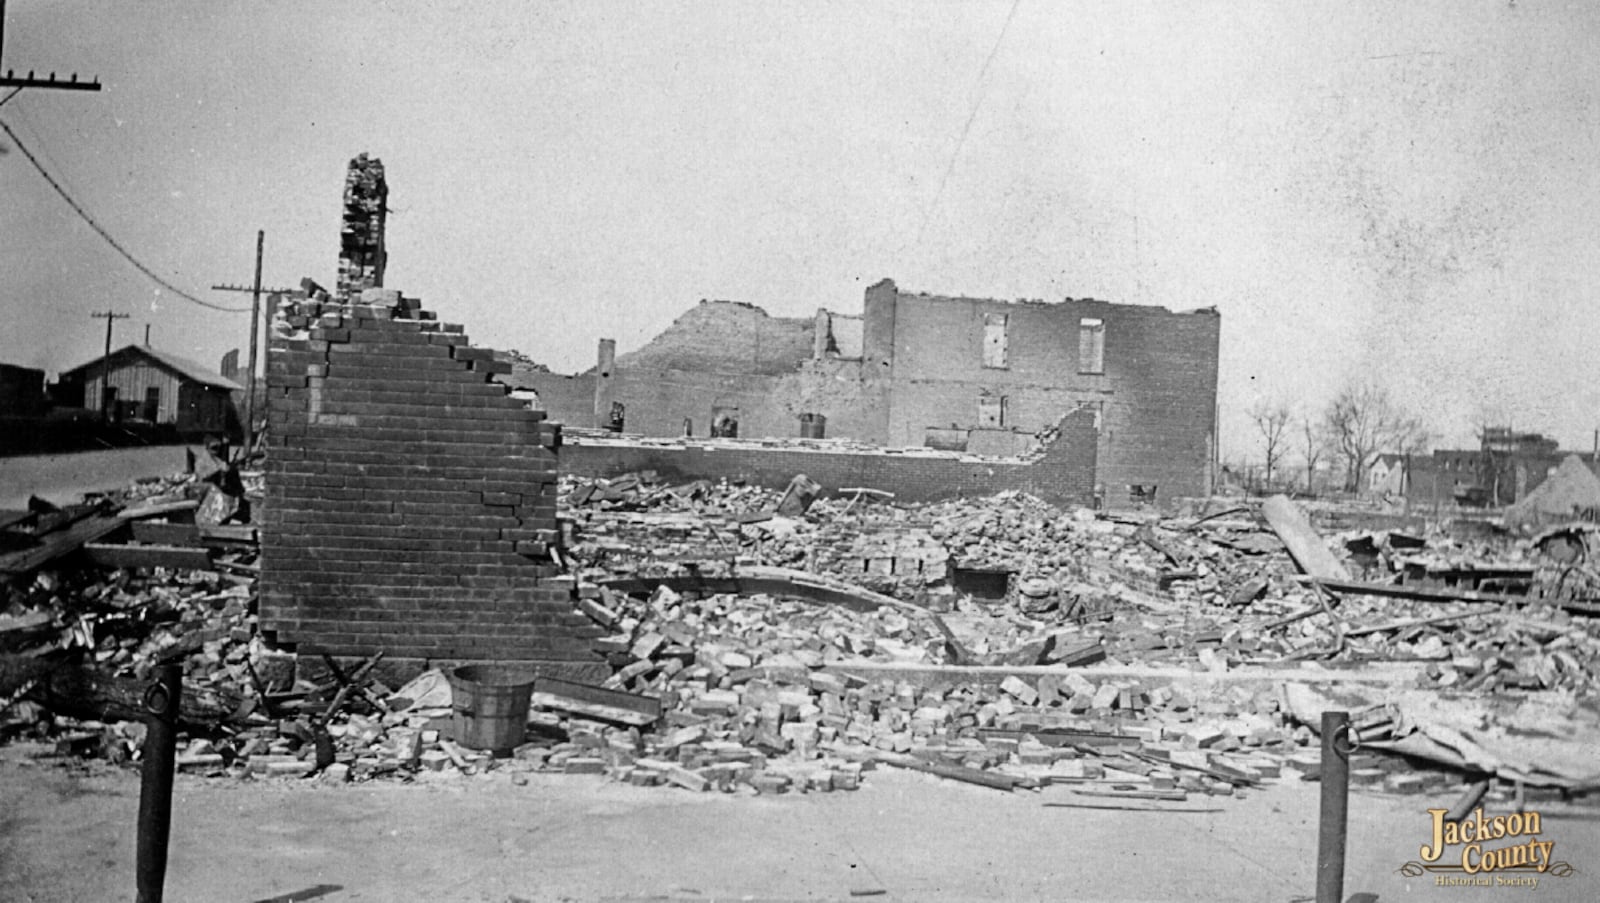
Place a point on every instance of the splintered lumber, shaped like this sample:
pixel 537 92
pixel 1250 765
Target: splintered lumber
pixel 1305 545
pixel 595 702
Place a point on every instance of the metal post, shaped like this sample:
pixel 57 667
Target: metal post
pixel 161 701
pixel 255 324
pixel 1335 806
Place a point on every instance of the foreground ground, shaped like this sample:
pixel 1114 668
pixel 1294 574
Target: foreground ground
pixel 67 834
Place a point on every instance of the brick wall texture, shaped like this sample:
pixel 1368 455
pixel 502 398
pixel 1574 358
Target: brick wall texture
pixel 1064 473
pixel 410 499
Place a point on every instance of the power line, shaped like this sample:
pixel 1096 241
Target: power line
pixel 117 246
pixel 977 102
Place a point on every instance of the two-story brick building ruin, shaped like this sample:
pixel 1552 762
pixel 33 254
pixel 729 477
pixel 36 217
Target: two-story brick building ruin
pixel 974 375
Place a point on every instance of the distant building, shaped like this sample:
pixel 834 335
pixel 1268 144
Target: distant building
pixel 1505 468
pixel 22 391
pixel 975 375
pixel 138 384
pixel 1387 475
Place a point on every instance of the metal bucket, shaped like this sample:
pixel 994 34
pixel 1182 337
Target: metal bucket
pixel 489 706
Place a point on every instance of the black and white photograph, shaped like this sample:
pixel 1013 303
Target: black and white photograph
pixel 546 451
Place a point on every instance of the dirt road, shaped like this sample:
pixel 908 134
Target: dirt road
pixel 64 478
pixel 67 835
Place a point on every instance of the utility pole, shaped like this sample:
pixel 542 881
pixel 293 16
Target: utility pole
pixel 105 362
pixel 255 324
pixel 10 80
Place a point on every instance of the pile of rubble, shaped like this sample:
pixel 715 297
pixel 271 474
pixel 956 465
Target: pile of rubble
pixel 1131 657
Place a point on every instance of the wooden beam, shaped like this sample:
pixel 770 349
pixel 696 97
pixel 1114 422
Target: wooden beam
pixel 1432 594
pixel 224 534
pixel 1303 541
pixel 134 556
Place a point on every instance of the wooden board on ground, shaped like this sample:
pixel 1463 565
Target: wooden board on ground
pixel 595 702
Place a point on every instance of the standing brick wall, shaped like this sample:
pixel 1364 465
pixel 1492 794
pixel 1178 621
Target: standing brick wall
pixel 1064 474
pixel 410 499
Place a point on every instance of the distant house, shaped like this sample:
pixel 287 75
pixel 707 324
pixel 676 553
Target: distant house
pixel 1387 476
pixel 138 384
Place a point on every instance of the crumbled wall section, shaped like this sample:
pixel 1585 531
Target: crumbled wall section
pixel 1064 473
pixel 410 500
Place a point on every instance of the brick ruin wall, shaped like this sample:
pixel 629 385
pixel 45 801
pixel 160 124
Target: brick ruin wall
pixel 923 373
pixel 410 499
pixel 362 255
pixel 1064 473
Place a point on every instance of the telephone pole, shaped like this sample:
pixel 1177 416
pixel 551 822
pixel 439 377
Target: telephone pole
pixel 110 317
pixel 255 325
pixel 10 79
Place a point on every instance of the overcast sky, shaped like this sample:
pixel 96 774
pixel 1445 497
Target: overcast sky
pixel 1404 192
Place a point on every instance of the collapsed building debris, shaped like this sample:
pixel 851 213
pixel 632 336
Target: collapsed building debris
pixel 1136 659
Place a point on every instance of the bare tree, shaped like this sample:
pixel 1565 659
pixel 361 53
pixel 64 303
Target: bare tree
pixel 1363 422
pixel 1316 443
pixel 1272 421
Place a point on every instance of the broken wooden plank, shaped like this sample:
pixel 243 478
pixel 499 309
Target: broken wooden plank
pixel 61 542
pixel 1303 541
pixel 113 555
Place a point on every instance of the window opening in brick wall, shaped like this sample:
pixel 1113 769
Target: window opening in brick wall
pixel 1091 346
pixel 724 422
pixel 991 411
pixel 994 341
pixel 1142 493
